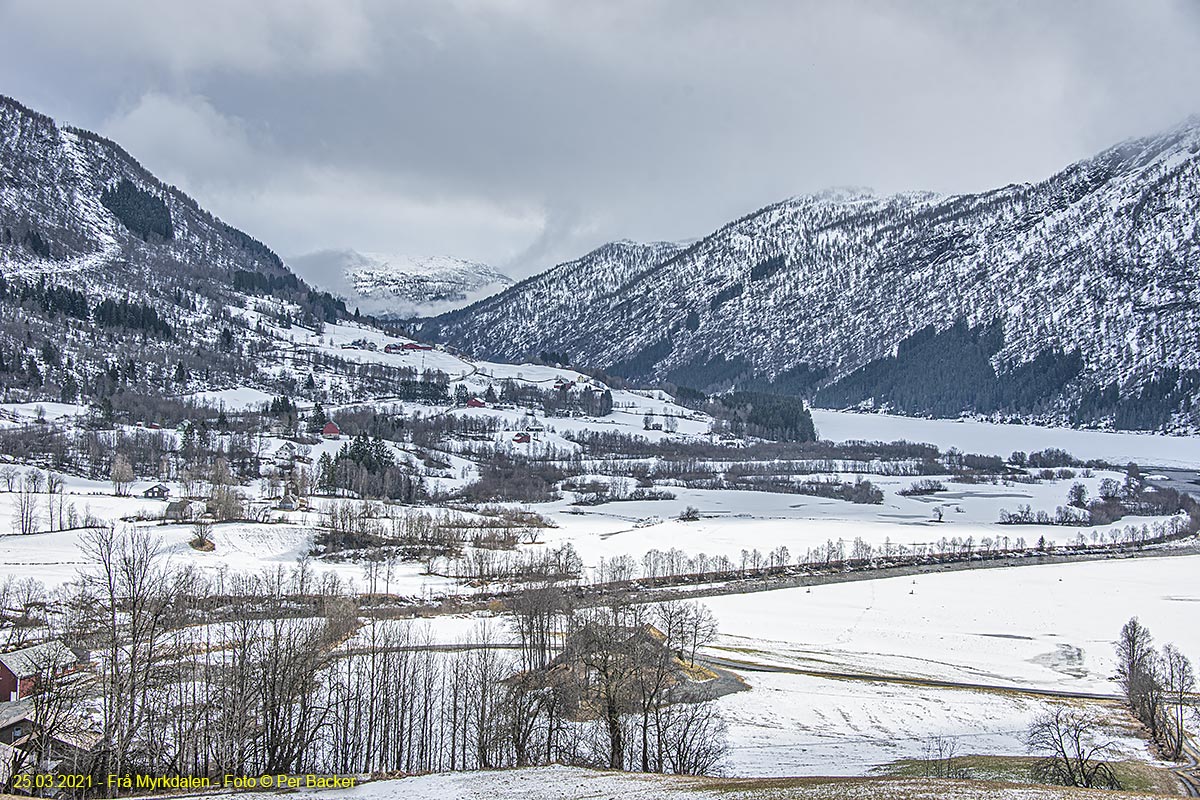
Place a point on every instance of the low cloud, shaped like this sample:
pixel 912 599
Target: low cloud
pixel 524 132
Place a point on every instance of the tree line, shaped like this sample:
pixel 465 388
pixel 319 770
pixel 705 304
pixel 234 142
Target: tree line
pixel 206 676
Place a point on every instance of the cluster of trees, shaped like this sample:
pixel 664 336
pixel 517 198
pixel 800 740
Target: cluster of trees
pixel 249 674
pixel 906 458
pixel 554 358
pixel 1158 685
pixel 53 300
pixel 422 391
pixel 1114 499
pixel 367 467
pixel 1149 406
pixel 641 363
pixel 614 678
pixel 140 211
pixel 860 491
pixel 33 492
pixel 768 416
pixel 32 240
pixel 505 477
pixel 554 402
pixel 1050 458
pixel 493 561
pixel 250 282
pixel 134 316
pixel 950 371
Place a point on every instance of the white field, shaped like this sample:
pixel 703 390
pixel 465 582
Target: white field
pixel 990 438
pixel 60 557
pixel 1046 627
pixel 740 520
pixel 790 725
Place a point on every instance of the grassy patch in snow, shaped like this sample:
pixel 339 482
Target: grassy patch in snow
pixel 1135 776
pixel 890 789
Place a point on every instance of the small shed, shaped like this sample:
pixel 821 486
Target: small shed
pixel 179 511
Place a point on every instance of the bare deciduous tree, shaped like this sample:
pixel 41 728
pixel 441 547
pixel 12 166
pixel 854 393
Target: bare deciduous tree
pixel 1074 755
pixel 54 500
pixel 121 475
pixel 1178 681
pixel 202 534
pixel 9 475
pixel 25 520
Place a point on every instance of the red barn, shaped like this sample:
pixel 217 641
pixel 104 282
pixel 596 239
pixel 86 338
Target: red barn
pixel 20 668
pixel 331 430
pixel 521 438
pixel 475 402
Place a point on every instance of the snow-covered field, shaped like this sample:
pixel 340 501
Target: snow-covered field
pixel 790 724
pixel 1045 627
pixel 734 521
pixel 989 438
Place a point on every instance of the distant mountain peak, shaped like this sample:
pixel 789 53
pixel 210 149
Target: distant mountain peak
pixel 391 285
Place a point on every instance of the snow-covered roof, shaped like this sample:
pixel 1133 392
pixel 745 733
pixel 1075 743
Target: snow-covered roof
pixel 30 660
pixel 14 712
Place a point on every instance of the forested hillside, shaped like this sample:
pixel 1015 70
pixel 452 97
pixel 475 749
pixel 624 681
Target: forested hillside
pixel 1072 299
pixel 112 280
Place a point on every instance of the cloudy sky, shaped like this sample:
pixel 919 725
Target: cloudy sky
pixel 524 132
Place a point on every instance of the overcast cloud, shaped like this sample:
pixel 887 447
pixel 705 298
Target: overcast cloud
pixel 524 132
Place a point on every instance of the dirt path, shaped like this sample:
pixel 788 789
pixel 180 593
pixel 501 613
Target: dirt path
pixel 933 683
pixel 1189 774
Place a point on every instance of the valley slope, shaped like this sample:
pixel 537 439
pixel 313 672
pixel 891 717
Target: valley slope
pixel 1072 299
pixel 110 278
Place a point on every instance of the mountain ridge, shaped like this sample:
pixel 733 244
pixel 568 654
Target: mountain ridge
pixel 112 279
pixel 828 284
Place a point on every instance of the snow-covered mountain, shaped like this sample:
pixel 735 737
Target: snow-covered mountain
pixel 399 286
pixel 1077 297
pixel 111 278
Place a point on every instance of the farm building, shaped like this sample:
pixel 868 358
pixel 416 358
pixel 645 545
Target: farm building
pixel 179 511
pixel 20 668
